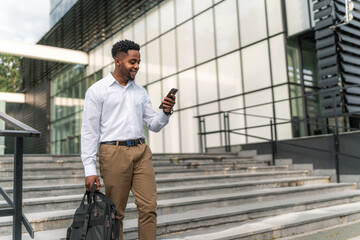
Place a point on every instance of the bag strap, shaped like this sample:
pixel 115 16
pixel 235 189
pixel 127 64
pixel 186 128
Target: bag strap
pixel 85 227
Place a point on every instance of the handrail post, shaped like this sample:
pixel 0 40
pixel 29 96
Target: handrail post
pixel 229 131
pixel 204 126
pixel 226 132
pixel 336 140
pixel 272 143
pixel 200 135
pixel 18 188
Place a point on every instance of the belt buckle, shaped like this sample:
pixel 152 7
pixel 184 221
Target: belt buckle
pixel 130 143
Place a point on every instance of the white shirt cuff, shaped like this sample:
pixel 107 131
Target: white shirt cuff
pixel 90 170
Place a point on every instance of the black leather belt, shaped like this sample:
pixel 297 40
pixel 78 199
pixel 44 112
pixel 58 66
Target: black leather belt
pixel 128 143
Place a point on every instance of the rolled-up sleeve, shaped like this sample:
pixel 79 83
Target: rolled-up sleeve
pixel 154 121
pixel 90 131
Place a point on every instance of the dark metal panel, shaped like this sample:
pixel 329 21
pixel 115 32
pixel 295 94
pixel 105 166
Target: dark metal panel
pixel 352 100
pixel 325 52
pixel 326 62
pixel 350 59
pixel 323 13
pixel 349 30
pixel 329 92
pixel 327 82
pixel 350 49
pixel 348 78
pixel 352 90
pixel 330 112
pixel 323 33
pixel 348 39
pixel 321 4
pixel 352 109
pixel 325 42
pixel 350 68
pixel 328 71
pixel 324 23
pixel 329 102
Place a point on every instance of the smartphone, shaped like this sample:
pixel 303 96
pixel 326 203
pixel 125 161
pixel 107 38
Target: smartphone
pixel 172 91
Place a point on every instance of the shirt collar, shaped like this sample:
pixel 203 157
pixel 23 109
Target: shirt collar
pixel 111 80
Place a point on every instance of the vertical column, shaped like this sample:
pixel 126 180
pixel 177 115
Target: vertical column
pixel 18 185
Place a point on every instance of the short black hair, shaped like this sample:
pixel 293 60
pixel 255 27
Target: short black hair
pixel 124 46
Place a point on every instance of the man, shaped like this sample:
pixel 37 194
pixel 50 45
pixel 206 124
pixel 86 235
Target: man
pixel 114 110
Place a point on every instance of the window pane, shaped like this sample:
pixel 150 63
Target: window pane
pixel 236 119
pixel 183 10
pixel 212 124
pixel 128 33
pixel 185 44
pixel 168 54
pixel 256 66
pixel 187 88
pixel 278 59
pixel 152 24
pixel 171 131
pixel 155 139
pixel 167 15
pixel 99 62
pixel 201 5
pixel 252 21
pixel 153 61
pixel 252 121
pixel 282 110
pixel 142 73
pixel 189 130
pixel 226 27
pixel 207 84
pixel 204 34
pixel 260 97
pixel 169 83
pixel 230 75
pixel 108 59
pixel 139 31
pixel 274 15
pixel 297 15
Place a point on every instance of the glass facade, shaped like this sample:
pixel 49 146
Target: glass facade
pixel 222 55
pixel 58 8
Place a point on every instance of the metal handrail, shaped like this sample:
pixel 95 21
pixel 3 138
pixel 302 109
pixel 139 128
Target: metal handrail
pixel 227 131
pixel 15 209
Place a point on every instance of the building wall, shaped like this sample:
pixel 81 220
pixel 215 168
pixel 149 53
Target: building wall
pixel 221 55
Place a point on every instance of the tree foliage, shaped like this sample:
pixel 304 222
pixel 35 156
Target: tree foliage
pixel 10 78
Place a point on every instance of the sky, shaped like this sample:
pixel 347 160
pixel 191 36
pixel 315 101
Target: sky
pixel 24 20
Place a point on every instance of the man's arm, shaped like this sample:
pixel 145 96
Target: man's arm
pixel 90 134
pixel 155 122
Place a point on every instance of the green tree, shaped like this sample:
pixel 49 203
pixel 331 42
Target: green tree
pixel 10 78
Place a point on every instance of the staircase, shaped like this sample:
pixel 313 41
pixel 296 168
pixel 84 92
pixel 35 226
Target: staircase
pixel 200 196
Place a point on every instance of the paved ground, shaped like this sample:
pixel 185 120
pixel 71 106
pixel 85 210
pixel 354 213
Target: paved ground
pixel 345 232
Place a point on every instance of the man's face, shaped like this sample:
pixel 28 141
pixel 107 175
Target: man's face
pixel 128 64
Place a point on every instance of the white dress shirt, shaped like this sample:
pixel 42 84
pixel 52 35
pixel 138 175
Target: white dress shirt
pixel 115 112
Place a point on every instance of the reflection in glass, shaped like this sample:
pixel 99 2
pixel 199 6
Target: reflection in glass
pixel 185 44
pixel 187 84
pixel 297 16
pixel 189 130
pixel 230 75
pixel 207 83
pixel 152 24
pixel 167 19
pixel 274 16
pixel 256 66
pixel 168 55
pixel 278 59
pixel 201 5
pixel 226 27
pixel 139 31
pixel 183 10
pixel 153 60
pixel 252 21
pixel 204 36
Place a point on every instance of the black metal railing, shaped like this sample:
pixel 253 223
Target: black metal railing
pixel 226 130
pixel 15 205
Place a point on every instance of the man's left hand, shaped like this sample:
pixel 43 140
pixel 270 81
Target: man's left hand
pixel 168 103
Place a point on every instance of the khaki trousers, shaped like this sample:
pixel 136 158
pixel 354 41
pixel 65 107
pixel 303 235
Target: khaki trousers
pixel 130 168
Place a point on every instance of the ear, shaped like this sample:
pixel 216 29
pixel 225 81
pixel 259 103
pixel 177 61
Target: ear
pixel 117 61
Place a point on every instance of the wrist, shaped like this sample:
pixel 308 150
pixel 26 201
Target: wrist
pixel 168 113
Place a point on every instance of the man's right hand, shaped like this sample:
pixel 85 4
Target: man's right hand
pixel 90 180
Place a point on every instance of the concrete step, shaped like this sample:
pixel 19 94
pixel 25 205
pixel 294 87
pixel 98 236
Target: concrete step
pixel 185 221
pixel 192 169
pixel 188 203
pixel 179 191
pixel 161 182
pixel 285 226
